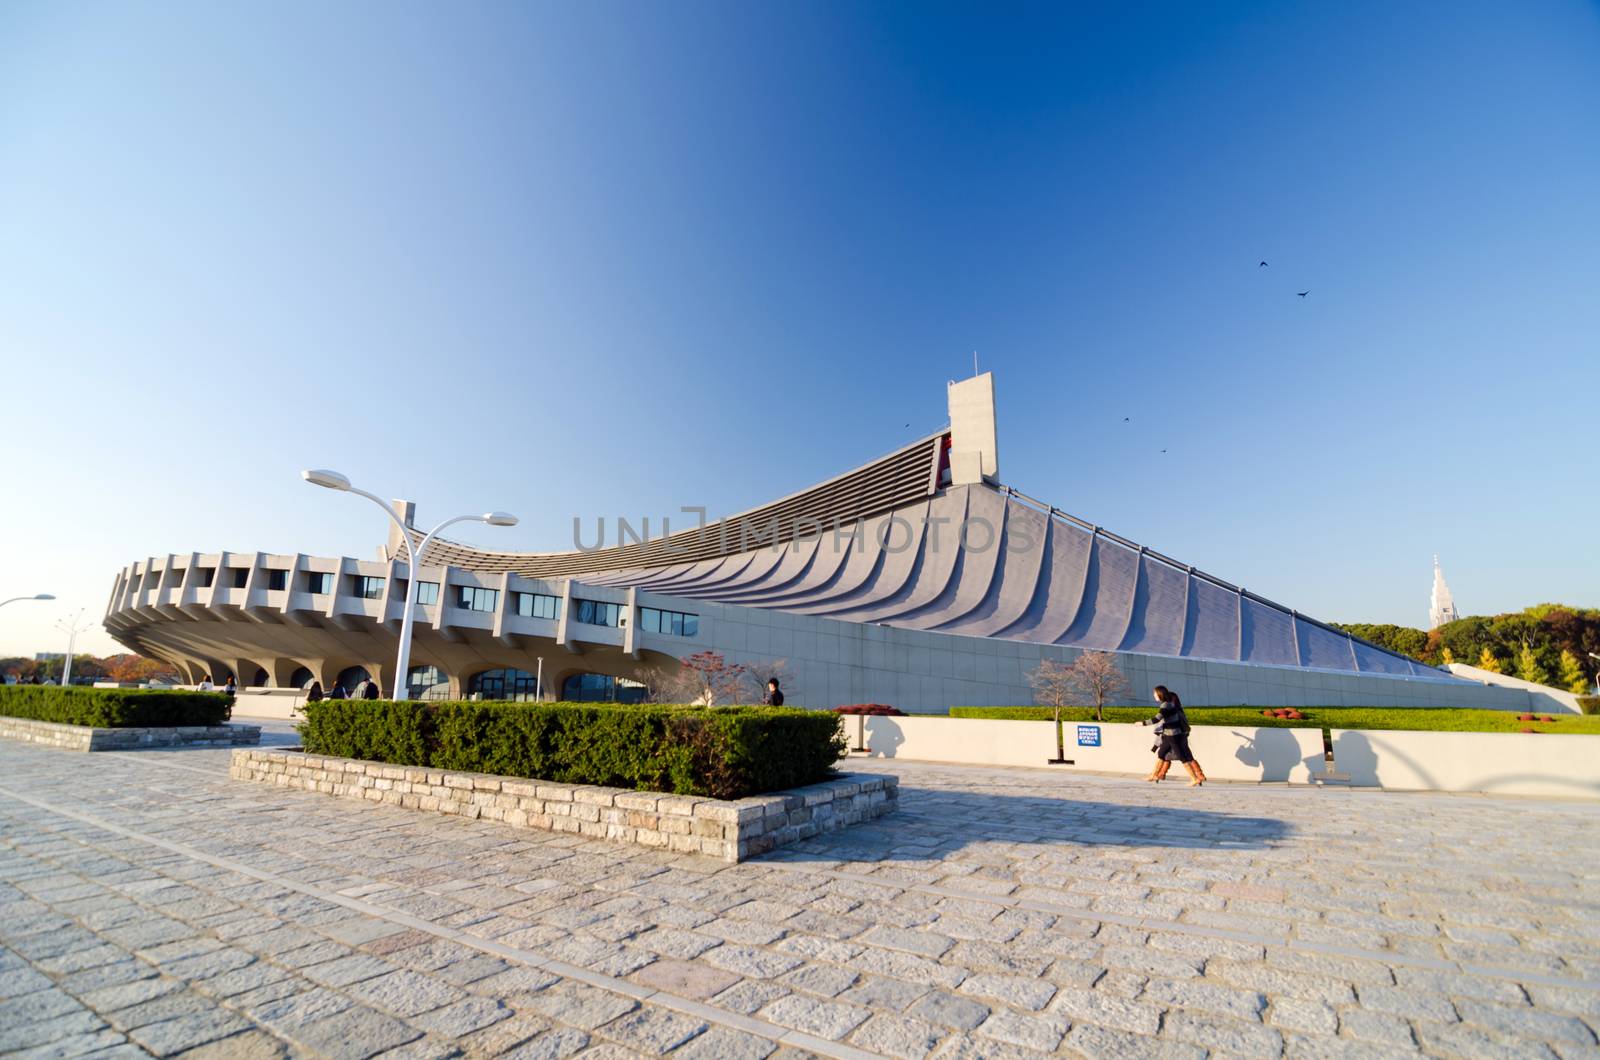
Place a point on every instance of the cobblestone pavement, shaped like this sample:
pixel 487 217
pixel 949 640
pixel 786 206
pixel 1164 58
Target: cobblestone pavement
pixel 148 904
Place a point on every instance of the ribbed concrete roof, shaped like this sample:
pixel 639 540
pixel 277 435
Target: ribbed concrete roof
pixel 975 560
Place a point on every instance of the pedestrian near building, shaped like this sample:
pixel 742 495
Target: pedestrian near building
pixel 774 696
pixel 1172 731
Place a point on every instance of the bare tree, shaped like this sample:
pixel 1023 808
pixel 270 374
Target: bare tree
pixel 1092 680
pixel 766 670
pixel 705 678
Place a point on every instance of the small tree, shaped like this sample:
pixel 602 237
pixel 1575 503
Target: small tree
pixel 759 673
pixel 707 678
pixel 1487 661
pixel 1446 656
pixel 1093 679
pixel 1528 667
pixel 1572 678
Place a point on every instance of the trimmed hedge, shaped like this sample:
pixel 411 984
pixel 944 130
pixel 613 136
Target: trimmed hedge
pixel 724 753
pixel 874 710
pixel 115 708
pixel 1589 704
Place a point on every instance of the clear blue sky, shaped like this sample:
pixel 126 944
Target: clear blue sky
pixel 572 259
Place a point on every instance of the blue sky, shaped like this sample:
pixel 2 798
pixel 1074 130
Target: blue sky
pixel 613 259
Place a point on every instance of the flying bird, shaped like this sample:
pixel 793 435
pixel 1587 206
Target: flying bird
pixel 1163 450
pixel 908 425
pixel 1124 419
pixel 1304 293
pixel 1262 265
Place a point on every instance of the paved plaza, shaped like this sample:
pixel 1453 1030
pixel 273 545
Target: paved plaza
pixel 148 904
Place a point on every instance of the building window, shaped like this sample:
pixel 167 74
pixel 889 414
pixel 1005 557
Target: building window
pixel 260 680
pixel 672 623
pixel 207 575
pixel 427 682
pixel 175 577
pixel 300 678
pixel 240 576
pixel 427 592
pixel 536 605
pixel 472 598
pixel 366 587
pixel 517 685
pixel 319 583
pixel 601 688
pixel 277 579
pixel 597 612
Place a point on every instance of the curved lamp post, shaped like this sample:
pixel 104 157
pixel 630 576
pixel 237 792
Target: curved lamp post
pixel 36 596
pixel 334 481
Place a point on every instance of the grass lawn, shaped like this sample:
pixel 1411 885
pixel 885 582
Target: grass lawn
pixel 1416 719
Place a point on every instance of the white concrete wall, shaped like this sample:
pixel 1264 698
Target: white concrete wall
pixel 1542 699
pixel 267 702
pixel 1494 763
pixel 1224 752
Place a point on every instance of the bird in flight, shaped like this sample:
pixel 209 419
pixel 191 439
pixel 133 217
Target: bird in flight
pixel 908 425
pixel 1262 265
pixel 1124 419
pixel 1163 450
pixel 1303 293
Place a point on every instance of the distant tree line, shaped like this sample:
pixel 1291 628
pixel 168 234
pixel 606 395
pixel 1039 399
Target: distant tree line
pixel 85 668
pixel 1548 643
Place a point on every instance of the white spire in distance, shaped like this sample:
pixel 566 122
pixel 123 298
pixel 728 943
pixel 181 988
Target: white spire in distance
pixel 1441 608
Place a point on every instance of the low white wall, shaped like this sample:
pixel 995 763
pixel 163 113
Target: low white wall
pixel 1542 699
pixel 1490 762
pixel 267 702
pixel 1224 752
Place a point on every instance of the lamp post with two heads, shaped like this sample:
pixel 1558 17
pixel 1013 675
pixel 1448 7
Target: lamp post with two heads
pixel 414 552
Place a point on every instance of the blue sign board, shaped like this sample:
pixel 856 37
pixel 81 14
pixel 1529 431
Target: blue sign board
pixel 1088 736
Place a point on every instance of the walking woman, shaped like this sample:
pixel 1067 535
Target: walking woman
pixel 1172 726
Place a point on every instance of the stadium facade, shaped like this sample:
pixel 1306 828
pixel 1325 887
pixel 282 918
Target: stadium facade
pixel 918 580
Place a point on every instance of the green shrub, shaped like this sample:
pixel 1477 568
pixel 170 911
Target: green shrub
pixel 114 708
pixel 1589 704
pixel 724 753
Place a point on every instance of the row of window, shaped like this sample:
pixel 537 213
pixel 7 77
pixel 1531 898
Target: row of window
pixel 476 598
pixel 596 612
pixel 430 682
pixel 672 623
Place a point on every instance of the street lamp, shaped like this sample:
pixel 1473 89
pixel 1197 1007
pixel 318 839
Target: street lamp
pixel 1592 655
pixel 334 481
pixel 36 596
pixel 72 629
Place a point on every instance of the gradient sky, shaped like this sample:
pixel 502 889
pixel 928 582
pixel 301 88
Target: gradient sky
pixel 569 259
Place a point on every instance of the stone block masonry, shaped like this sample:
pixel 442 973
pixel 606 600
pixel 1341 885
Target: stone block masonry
pixel 728 830
pixel 87 738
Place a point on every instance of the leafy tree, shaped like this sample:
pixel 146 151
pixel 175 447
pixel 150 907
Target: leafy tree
pixel 1528 668
pixel 1487 661
pixel 1572 677
pixel 1446 656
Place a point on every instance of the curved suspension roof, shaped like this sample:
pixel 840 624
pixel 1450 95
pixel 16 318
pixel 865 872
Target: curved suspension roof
pixel 889 543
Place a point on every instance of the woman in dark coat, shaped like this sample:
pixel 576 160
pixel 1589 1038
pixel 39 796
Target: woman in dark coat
pixel 1172 726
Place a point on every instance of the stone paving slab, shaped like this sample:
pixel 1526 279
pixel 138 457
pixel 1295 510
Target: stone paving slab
pixel 151 906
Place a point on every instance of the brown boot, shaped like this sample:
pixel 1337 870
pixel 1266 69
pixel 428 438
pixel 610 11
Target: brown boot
pixel 1198 772
pixel 1196 778
pixel 1161 771
pixel 1155 772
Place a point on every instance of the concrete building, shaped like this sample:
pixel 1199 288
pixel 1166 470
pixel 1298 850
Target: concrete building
pixel 919 579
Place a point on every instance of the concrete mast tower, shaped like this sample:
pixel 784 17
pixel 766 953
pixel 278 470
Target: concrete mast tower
pixel 1441 607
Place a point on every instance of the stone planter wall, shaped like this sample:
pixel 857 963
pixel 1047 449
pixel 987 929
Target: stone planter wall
pixel 726 830
pixel 85 738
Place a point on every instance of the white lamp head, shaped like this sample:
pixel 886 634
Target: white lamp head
pixel 500 519
pixel 327 479
pixel 44 596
